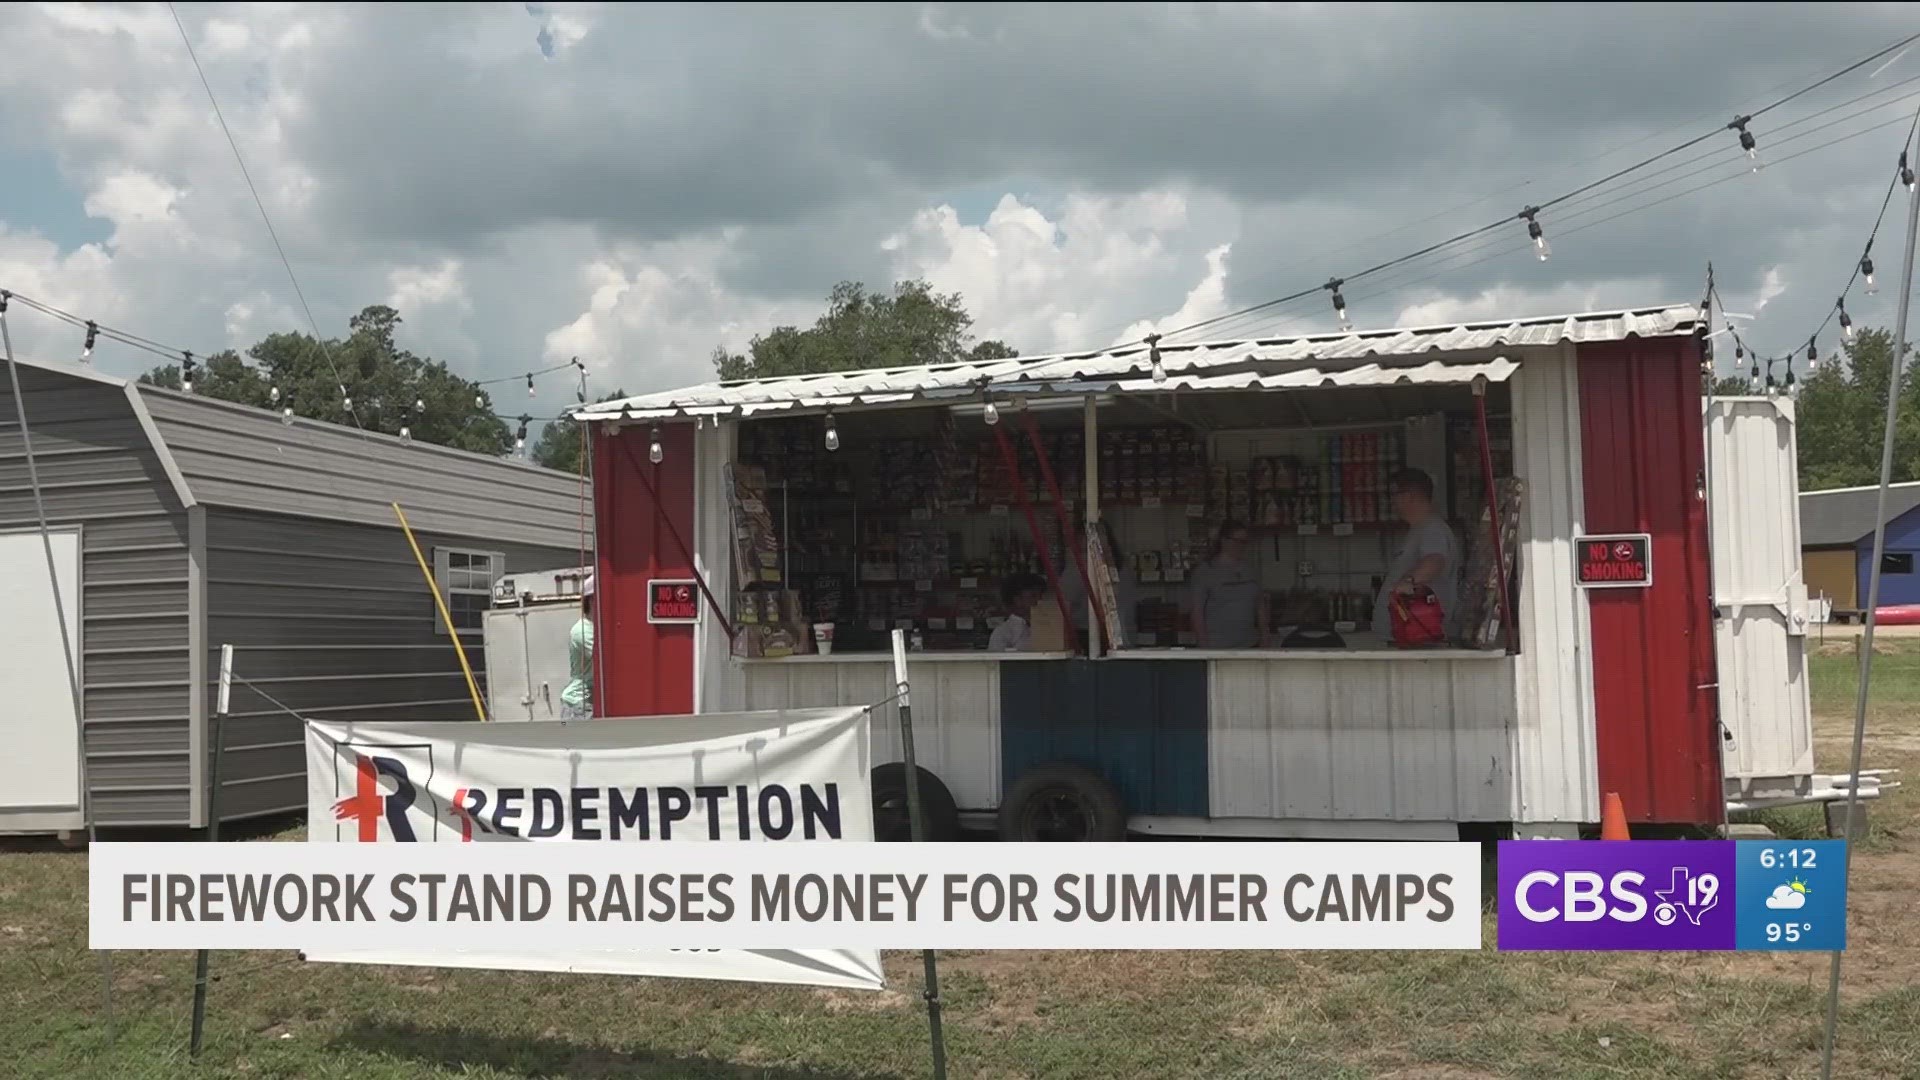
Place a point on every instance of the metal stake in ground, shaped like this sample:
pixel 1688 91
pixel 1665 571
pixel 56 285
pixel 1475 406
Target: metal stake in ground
pixel 1873 602
pixel 213 837
pixel 918 830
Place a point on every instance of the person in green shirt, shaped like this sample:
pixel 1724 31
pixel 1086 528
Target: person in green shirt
pixel 576 701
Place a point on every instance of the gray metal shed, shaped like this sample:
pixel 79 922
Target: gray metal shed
pixel 190 523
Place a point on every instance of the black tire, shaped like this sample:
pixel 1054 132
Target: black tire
pixel 937 808
pixel 1062 803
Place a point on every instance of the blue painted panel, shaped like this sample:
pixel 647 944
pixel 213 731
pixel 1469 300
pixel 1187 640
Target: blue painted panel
pixel 1141 723
pixel 1903 538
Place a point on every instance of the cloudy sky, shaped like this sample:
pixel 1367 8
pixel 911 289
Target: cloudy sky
pixel 636 184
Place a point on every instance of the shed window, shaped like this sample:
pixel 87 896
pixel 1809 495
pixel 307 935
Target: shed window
pixel 1896 562
pixel 466 580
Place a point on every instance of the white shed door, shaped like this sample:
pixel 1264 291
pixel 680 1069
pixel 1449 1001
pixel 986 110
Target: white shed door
pixel 38 726
pixel 1759 595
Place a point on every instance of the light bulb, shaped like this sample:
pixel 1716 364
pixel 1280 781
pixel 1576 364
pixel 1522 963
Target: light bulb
pixel 833 434
pixel 93 331
pixel 990 413
pixel 1339 302
pixel 1541 248
pixel 419 405
pixel 406 433
pixel 655 453
pixel 273 395
pixel 1866 270
pixel 1752 147
pixel 529 386
pixel 479 401
pixel 346 403
pixel 186 384
pixel 1846 325
pixel 1906 172
pixel 286 415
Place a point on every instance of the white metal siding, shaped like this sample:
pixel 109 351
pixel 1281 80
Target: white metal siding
pixel 1753 501
pixel 527 660
pixel 1375 740
pixel 718 684
pixel 1555 759
pixel 956 712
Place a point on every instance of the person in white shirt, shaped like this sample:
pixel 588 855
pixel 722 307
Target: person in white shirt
pixel 1015 633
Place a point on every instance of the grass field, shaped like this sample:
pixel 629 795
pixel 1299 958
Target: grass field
pixel 1321 1015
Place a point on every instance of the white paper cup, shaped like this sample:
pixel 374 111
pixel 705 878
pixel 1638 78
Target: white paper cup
pixel 823 638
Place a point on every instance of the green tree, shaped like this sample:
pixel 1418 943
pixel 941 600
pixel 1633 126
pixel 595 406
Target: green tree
pixel 559 443
pixel 1842 414
pixel 390 387
pixel 911 326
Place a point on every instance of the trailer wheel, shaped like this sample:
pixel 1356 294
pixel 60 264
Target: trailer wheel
pixel 890 821
pixel 1062 803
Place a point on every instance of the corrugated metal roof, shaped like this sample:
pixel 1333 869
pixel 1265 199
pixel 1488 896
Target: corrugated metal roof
pixel 1384 356
pixel 1842 517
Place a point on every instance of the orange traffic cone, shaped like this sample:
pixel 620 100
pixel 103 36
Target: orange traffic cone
pixel 1613 818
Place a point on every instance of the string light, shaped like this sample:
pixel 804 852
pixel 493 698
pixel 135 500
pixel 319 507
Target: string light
pixel 273 394
pixel 480 401
pixel 1536 233
pixel 286 415
pixel 520 436
pixel 93 332
pixel 346 400
pixel 186 372
pixel 1339 302
pixel 529 385
pixel 990 412
pixel 1866 273
pixel 406 433
pixel 1906 172
pixel 1846 321
pixel 1747 141
pixel 655 453
pixel 1153 352
pixel 419 404
pixel 833 434
pixel 1813 358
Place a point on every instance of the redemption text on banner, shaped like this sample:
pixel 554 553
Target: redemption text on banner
pixel 569 895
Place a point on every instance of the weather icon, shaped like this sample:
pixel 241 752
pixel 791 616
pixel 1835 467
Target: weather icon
pixel 1789 897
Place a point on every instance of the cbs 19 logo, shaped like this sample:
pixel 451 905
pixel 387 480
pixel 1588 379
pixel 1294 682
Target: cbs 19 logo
pixel 1584 896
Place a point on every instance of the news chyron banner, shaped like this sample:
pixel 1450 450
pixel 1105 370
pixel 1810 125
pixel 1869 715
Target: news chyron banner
pixel 559 847
pixel 798 777
pixel 1673 895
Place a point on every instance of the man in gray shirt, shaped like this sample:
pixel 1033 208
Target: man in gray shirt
pixel 1429 556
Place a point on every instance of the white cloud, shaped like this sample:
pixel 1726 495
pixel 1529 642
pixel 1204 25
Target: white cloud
pixel 1784 898
pixel 1773 284
pixel 1077 279
pixel 227 36
pixel 417 287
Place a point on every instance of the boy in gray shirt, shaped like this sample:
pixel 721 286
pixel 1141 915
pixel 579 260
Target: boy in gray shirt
pixel 1429 556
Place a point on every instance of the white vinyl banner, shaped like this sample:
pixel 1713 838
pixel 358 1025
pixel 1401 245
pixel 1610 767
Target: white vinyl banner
pixel 793 777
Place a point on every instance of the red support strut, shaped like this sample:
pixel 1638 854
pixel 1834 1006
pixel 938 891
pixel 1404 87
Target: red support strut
pixel 1069 535
pixel 1033 522
pixel 1493 513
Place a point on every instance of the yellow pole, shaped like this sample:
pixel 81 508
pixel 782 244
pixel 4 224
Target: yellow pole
pixel 440 602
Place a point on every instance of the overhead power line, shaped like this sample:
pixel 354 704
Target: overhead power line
pixel 1740 126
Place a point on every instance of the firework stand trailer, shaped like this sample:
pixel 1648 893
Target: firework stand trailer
pixel 1398 584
